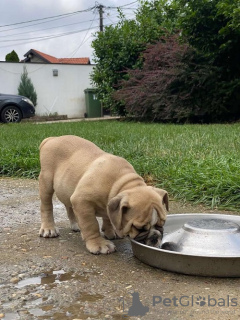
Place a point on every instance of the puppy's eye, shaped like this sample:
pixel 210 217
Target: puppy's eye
pixel 142 229
pixel 159 228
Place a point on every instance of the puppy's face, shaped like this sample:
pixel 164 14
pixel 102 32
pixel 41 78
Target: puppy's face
pixel 140 214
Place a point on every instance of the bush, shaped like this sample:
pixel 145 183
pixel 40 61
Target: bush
pixel 120 47
pixel 152 92
pixel 178 84
pixel 201 80
pixel 26 87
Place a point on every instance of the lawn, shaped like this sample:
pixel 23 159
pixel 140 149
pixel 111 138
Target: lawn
pixel 199 163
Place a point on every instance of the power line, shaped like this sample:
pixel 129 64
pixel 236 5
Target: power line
pixel 47 37
pixel 82 42
pixel 100 8
pixel 64 25
pixel 57 16
pixel 66 15
pixel 119 7
pixel 33 22
pixel 60 16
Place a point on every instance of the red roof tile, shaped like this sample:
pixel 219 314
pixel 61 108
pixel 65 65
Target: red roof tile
pixel 47 57
pixel 74 60
pixel 51 59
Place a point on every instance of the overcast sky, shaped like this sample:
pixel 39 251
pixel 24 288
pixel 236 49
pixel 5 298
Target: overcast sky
pixel 41 25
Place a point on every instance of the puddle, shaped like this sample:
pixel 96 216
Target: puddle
pixel 29 281
pixel 74 311
pixel 86 297
pixel 70 312
pixel 11 316
pixel 51 278
pixel 120 316
pixel 37 312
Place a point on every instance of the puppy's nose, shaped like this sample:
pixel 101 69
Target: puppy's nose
pixel 154 239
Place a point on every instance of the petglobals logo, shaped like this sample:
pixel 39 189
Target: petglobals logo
pixel 135 307
pixel 192 301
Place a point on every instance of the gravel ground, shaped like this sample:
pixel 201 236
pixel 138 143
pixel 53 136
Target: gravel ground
pixel 58 279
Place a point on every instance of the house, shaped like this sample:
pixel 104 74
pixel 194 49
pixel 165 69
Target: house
pixel 59 82
pixel 39 57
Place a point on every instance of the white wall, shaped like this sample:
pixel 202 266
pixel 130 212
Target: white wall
pixel 63 94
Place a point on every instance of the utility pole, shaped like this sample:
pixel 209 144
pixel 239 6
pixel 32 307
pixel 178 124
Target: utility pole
pixel 100 9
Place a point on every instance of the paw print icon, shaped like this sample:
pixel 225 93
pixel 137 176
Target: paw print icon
pixel 201 301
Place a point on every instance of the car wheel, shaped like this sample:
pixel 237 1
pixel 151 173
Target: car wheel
pixel 11 114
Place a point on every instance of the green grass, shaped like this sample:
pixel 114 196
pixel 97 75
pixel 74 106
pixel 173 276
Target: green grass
pixel 199 163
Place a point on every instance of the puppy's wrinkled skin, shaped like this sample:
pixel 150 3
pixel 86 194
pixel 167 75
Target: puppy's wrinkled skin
pixel 90 183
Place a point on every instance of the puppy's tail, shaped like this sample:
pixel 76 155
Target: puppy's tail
pixel 44 141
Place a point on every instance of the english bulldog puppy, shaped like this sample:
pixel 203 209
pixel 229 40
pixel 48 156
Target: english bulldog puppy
pixel 92 183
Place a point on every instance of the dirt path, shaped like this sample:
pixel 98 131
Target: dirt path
pixel 58 279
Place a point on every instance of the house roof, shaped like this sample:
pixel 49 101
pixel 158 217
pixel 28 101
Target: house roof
pixel 50 59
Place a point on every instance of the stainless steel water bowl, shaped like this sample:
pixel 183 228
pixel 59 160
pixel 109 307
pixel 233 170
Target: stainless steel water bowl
pixel 197 244
pixel 206 237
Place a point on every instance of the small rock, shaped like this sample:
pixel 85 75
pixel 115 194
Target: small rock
pixel 128 287
pixel 14 280
pixel 14 274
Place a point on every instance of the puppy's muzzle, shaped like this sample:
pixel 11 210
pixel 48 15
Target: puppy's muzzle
pixel 151 238
pixel 154 238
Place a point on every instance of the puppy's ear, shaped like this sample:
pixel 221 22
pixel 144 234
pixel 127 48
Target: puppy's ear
pixel 164 195
pixel 117 206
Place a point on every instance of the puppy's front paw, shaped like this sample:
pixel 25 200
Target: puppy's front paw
pixel 49 232
pixel 100 245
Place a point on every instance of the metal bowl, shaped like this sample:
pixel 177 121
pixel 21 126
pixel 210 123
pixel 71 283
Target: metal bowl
pixel 196 244
pixel 205 237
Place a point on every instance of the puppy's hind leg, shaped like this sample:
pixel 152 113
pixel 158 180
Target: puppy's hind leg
pixel 72 218
pixel 48 228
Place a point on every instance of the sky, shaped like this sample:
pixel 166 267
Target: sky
pixel 60 28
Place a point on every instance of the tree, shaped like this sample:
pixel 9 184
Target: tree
pixel 212 28
pixel 175 84
pixel 26 87
pixel 12 57
pixel 115 50
pixel 119 47
pixel 208 76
